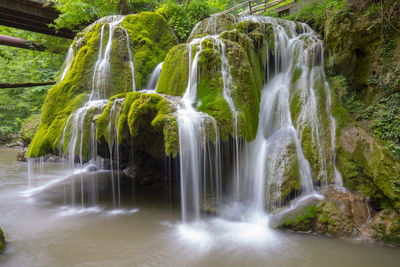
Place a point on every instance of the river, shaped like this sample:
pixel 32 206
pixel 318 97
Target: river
pixel 147 231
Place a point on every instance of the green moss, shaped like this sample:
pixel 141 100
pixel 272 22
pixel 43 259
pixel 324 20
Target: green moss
pixel 121 72
pixel 323 218
pixel 210 91
pixel 248 76
pixel 213 25
pixel 174 74
pixel 291 178
pixel 151 38
pixel 302 221
pixel 107 121
pixel 166 122
pixel 387 227
pixel 61 99
pixel 46 139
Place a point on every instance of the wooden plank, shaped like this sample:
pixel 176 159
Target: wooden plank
pixel 20 85
pixel 21 43
pixel 31 16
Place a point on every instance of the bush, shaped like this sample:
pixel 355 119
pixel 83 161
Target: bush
pixel 138 6
pixel 29 127
pixel 184 17
pixel 313 12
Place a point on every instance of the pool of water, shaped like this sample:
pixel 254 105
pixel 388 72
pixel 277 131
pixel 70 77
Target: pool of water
pixel 146 230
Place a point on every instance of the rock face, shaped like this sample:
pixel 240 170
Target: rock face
pixel 343 214
pixel 386 226
pixel 21 154
pixel 339 214
pixel 367 167
pixel 364 54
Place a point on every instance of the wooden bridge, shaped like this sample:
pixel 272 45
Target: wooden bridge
pixel 256 7
pixel 31 15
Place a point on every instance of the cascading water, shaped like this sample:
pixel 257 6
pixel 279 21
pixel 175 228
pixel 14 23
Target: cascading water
pixel 154 77
pixel 253 176
pixel 192 138
pixel 78 140
pixel 259 168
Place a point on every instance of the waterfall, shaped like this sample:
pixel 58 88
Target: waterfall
pixel 192 137
pixel 78 142
pixel 294 143
pixel 258 169
pixel 154 77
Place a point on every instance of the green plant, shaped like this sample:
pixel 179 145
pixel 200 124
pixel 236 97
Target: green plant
pixel 313 12
pixel 138 6
pixel 184 17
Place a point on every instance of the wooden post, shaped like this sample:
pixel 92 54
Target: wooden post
pixel 250 7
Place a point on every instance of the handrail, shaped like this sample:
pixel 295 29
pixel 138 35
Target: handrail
pixel 237 6
pixel 262 7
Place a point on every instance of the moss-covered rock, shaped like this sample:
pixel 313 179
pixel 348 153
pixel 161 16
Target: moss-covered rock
pixel 245 56
pixel 174 75
pixel 367 167
pixel 213 25
pixel 150 38
pixel 247 75
pixel 147 118
pixel 386 226
pixel 337 215
pixel 2 241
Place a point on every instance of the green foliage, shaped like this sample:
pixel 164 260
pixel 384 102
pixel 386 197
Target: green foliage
pixel 23 65
pixel 29 127
pixel 138 6
pixel 305 218
pixel 386 122
pixel 184 17
pixel 312 12
pixel 76 14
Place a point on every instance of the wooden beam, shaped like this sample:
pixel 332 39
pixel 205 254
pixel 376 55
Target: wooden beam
pixel 21 43
pixel 31 16
pixel 19 85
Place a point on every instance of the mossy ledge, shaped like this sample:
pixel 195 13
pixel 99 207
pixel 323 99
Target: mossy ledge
pixel 147 118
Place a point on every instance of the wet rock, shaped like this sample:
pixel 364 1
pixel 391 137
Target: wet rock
pixel 368 168
pixel 385 226
pixel 21 155
pixel 341 214
pixel 2 240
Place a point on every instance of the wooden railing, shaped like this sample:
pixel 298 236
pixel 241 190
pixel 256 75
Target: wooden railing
pixel 255 6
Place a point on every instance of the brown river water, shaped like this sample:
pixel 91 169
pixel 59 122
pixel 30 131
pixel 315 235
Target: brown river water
pixel 42 231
